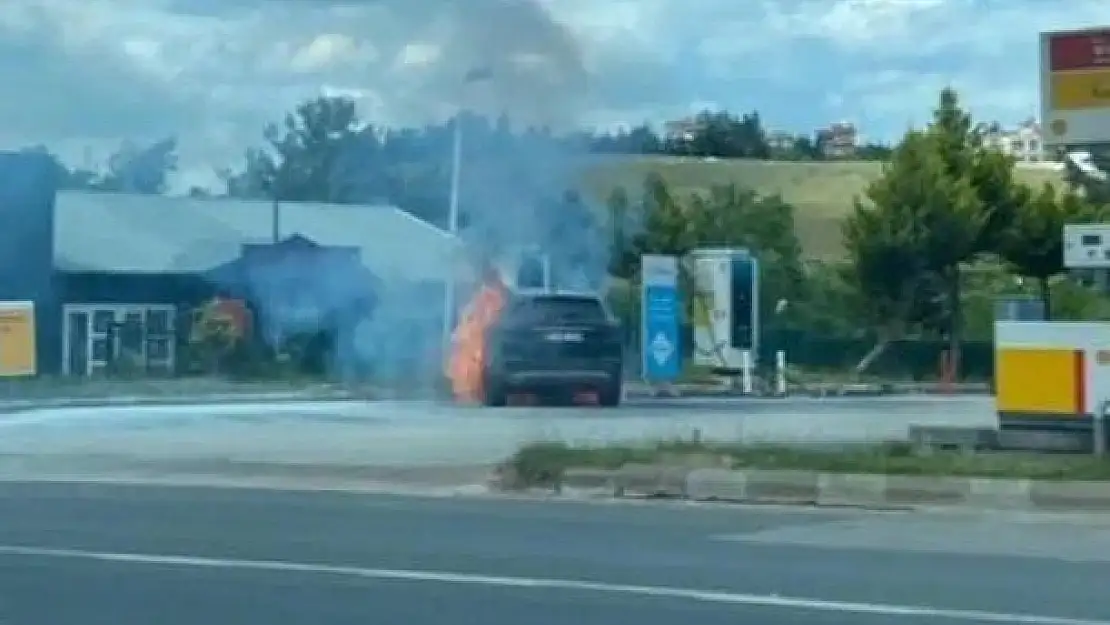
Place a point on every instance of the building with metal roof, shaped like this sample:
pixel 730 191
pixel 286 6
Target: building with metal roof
pixel 125 233
pixel 109 273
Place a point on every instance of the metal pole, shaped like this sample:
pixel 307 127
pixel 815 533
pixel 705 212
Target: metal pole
pixel 456 172
pixel 547 277
pixel 780 373
pixel 453 229
pixel 275 220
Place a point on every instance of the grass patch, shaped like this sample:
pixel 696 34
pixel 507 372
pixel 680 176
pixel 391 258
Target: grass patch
pixel 821 192
pixel 543 463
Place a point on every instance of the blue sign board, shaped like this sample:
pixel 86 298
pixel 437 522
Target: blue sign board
pixel 661 360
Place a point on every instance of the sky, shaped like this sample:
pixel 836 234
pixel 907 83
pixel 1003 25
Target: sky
pixel 84 75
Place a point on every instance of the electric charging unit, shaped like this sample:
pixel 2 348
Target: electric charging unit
pixel 725 308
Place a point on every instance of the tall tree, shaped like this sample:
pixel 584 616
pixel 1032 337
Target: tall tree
pixel 974 225
pixel 310 146
pixel 254 180
pixel 667 227
pixel 308 157
pixel 919 222
pixel 1034 247
pixel 724 135
pixel 138 169
pixel 621 227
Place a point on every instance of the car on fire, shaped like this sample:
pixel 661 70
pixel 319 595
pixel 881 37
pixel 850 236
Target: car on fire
pixel 537 342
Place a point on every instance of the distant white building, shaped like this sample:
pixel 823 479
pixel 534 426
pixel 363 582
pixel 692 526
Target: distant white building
pixel 1023 143
pixel 682 130
pixel 838 140
pixel 780 140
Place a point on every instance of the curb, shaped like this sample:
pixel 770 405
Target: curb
pixel 15 406
pixel 836 489
pixel 821 391
pixel 62 467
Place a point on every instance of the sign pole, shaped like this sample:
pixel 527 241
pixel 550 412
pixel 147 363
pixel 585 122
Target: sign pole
pixel 660 357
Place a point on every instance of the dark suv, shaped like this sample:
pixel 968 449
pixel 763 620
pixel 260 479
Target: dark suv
pixel 554 343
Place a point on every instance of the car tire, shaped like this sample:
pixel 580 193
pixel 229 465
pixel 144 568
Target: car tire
pixel 610 395
pixel 494 394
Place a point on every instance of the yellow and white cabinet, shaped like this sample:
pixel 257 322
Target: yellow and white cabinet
pixel 1051 374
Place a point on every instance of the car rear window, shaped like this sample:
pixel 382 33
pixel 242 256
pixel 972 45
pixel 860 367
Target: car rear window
pixel 556 310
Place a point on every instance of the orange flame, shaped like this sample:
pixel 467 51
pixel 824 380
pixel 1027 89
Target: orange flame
pixel 467 357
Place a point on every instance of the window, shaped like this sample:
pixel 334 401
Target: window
pixel 158 322
pixel 99 350
pixel 1090 240
pixel 157 349
pixel 101 336
pixel 558 309
pixel 102 320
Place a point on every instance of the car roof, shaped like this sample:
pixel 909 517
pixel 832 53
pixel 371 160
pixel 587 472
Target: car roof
pixel 555 294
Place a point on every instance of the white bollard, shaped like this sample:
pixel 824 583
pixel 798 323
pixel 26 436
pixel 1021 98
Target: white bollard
pixel 780 373
pixel 747 371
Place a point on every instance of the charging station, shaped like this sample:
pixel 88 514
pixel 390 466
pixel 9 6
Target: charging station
pixel 725 308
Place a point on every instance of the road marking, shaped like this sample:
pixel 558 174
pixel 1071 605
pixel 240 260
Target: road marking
pixel 441 577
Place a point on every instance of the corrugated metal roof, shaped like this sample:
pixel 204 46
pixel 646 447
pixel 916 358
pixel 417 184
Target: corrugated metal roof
pixel 114 232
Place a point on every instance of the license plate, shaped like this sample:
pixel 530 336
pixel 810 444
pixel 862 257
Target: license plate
pixel 565 337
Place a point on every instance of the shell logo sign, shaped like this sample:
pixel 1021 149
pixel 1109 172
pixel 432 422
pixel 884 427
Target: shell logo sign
pixel 1075 87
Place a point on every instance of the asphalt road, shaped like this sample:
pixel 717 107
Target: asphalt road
pixel 408 433
pixel 115 555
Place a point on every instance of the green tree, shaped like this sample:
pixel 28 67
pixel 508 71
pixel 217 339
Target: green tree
pixel 131 168
pixel 619 213
pixel 973 224
pixel 666 227
pixel 831 303
pixel 139 169
pixel 253 182
pixel 724 135
pixel 1034 247
pixel 1087 173
pixel 304 156
pixel 918 224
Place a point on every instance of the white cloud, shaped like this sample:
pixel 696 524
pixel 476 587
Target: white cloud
pixel 91 73
pixel 331 50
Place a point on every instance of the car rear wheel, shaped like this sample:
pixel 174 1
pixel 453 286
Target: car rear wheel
pixel 610 394
pixel 494 393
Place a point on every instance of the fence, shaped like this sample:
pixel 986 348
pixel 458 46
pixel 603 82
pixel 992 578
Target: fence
pixel 909 359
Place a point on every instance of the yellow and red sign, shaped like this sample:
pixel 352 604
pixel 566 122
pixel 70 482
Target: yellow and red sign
pixel 1080 90
pixel 17 339
pixel 1079 50
pixel 1075 70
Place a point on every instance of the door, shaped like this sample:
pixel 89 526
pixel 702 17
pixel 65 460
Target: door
pixel 130 344
pixel 77 343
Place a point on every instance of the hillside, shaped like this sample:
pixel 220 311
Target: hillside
pixel 822 192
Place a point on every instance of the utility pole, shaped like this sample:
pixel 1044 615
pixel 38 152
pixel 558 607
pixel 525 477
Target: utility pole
pixel 478 74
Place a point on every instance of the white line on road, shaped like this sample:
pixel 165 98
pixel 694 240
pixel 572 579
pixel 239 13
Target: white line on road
pixel 688 594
